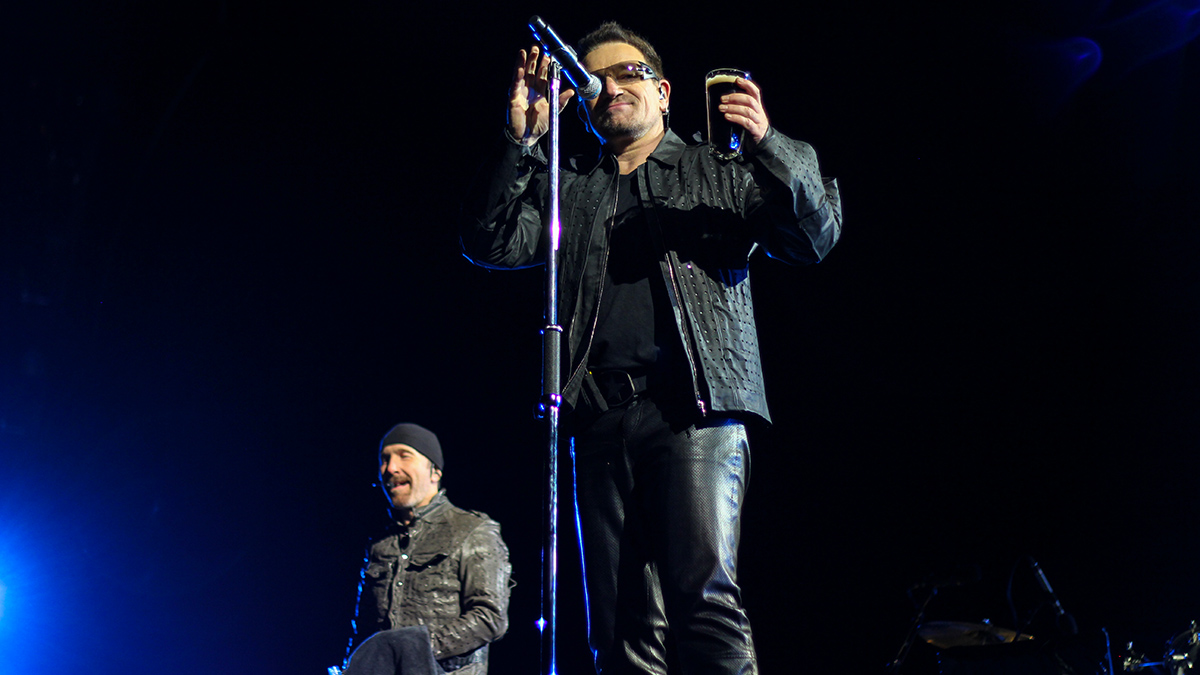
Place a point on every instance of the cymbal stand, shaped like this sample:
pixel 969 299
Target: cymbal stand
pixel 911 638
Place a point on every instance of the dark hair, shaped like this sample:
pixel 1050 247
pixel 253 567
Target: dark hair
pixel 611 31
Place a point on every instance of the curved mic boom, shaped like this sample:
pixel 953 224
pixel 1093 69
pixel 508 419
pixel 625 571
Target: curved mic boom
pixel 587 85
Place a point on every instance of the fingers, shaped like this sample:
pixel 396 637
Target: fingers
pixel 564 97
pixel 518 88
pixel 751 100
pixel 522 96
pixel 528 74
pixel 543 69
pixel 756 123
pixel 531 63
pixel 528 109
pixel 746 109
pixel 750 86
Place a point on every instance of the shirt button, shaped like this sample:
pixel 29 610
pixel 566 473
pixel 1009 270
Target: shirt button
pixel 404 556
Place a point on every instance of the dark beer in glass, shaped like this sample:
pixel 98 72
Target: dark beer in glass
pixel 724 137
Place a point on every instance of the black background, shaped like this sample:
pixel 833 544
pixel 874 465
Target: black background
pixel 228 264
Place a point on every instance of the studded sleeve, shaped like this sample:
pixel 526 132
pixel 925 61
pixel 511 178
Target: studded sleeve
pixel 796 214
pixel 500 224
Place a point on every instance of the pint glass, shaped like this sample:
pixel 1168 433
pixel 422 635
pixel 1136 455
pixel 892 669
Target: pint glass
pixel 724 137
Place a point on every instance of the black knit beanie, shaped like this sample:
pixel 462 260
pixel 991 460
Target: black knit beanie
pixel 418 438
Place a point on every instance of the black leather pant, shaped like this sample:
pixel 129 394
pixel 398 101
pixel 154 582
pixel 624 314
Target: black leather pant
pixel 659 512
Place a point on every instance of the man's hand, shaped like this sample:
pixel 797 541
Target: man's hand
pixel 747 109
pixel 528 110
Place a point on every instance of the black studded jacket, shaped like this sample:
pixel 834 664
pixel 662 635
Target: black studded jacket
pixel 708 217
pixel 448 570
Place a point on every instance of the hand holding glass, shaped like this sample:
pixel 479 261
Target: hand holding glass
pixel 724 137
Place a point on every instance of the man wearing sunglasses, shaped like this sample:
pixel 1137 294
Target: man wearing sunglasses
pixel 661 360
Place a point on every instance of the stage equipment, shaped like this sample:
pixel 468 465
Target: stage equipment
pixel 1066 622
pixel 930 585
pixel 1183 653
pixel 550 404
pixel 982 648
pixel 587 85
pixel 947 634
pixel 1063 620
pixel 966 648
pixel 1182 656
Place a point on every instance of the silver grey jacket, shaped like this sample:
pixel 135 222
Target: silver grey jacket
pixel 448 570
pixel 708 217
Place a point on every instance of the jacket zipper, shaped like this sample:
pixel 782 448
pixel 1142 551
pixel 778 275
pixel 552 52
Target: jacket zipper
pixel 587 345
pixel 684 325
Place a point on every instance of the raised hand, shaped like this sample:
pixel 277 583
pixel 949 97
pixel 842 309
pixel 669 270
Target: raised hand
pixel 528 110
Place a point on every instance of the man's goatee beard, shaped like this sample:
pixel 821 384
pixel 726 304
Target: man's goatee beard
pixel 609 131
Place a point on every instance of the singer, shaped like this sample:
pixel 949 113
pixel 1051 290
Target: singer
pixel 661 364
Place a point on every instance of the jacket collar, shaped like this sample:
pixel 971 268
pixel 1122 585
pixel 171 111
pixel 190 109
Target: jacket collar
pixel 427 512
pixel 669 150
pixel 668 153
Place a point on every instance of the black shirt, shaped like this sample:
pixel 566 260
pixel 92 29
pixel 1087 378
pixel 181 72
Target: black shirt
pixel 634 329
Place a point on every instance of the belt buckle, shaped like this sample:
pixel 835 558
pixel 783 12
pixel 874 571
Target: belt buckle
pixel 627 385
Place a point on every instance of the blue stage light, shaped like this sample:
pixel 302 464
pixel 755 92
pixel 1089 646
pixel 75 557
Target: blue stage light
pixel 1053 70
pixel 15 616
pixel 1154 30
pixel 30 603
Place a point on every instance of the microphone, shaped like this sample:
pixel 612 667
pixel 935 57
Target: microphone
pixel 1066 622
pixel 587 85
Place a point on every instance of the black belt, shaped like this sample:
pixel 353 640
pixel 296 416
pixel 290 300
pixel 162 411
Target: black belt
pixel 613 388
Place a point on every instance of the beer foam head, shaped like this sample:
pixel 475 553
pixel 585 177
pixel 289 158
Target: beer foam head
pixel 722 78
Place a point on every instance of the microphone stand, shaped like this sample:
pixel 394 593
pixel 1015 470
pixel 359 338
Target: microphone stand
pixel 551 401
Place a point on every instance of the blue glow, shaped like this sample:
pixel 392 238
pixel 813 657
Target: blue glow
pixel 579 533
pixel 1056 70
pixel 58 576
pixel 1155 30
pixel 1084 54
pixel 22 613
pixel 1052 70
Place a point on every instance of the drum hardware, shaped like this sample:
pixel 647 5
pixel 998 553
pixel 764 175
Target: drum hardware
pixel 1135 661
pixel 1183 653
pixel 1182 656
pixel 980 646
pixel 930 584
pixel 1064 621
pixel 947 634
